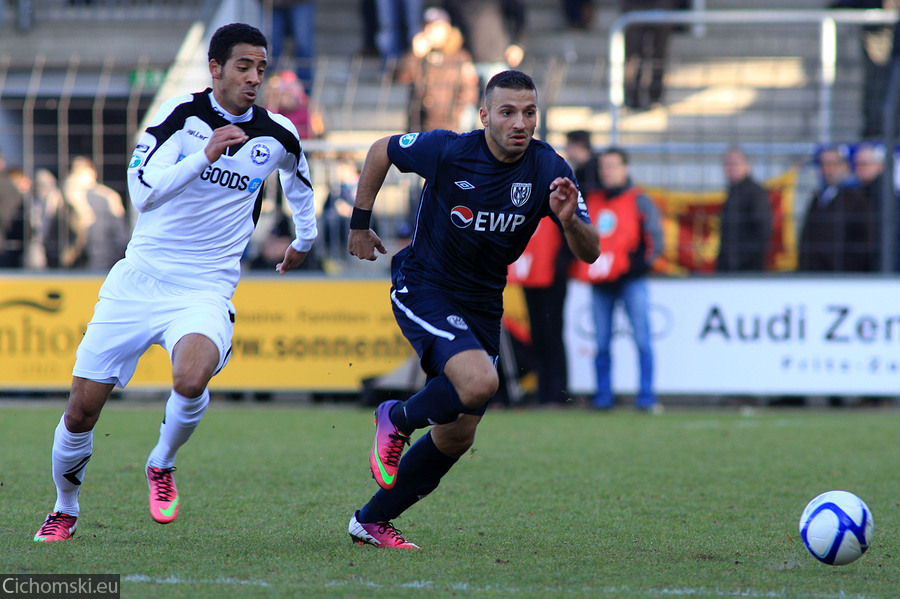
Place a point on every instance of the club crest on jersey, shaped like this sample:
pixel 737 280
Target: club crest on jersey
pixel 260 154
pixel 458 322
pixel 519 193
pixel 408 139
pixel 461 216
pixel 135 161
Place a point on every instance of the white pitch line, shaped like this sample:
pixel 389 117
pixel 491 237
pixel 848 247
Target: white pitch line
pixel 466 587
pixel 179 580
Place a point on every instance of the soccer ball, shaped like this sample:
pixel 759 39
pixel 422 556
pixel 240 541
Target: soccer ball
pixel 836 527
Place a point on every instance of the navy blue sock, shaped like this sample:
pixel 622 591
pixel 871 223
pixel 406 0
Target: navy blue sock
pixel 437 403
pixel 420 472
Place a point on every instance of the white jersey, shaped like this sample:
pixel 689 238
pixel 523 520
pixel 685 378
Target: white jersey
pixel 195 218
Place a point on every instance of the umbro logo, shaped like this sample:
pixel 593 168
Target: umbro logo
pixel 464 185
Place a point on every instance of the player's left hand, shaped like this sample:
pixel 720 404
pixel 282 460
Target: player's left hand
pixel 563 198
pixel 292 259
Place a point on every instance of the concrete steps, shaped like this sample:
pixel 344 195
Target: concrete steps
pixel 735 83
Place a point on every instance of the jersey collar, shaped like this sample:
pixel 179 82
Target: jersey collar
pixel 224 114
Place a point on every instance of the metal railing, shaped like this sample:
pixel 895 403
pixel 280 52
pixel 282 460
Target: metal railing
pixel 827 21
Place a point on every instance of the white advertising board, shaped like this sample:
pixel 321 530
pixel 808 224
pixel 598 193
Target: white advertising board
pixel 765 336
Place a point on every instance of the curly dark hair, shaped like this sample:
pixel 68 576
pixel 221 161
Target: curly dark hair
pixel 228 36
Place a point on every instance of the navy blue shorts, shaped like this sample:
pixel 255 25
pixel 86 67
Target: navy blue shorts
pixel 438 327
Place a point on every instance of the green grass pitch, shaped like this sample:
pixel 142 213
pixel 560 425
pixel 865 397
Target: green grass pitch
pixel 569 503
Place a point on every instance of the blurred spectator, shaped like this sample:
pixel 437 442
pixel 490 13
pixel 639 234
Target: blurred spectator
pixel 271 249
pixel 868 165
pixel 30 245
pixel 838 230
pixel 398 22
pixel 492 33
pixel 369 13
pixel 20 180
pixel 12 220
pixel 295 20
pixel 97 220
pixel 443 82
pixel 630 239
pixel 745 225
pixel 542 271
pixel 338 206
pixel 24 12
pixel 583 160
pixel 285 95
pixel 46 205
pixel 646 53
pixel 578 13
pixel 877 43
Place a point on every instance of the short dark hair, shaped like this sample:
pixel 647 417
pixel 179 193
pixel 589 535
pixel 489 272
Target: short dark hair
pixel 508 80
pixel 228 36
pixel 579 137
pixel 618 151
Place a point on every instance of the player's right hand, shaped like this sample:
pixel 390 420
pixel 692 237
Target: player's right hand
pixel 363 243
pixel 222 138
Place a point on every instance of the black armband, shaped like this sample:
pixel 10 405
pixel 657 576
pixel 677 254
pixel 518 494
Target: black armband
pixel 360 218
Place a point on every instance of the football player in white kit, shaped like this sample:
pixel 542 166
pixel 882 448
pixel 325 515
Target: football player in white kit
pixel 196 181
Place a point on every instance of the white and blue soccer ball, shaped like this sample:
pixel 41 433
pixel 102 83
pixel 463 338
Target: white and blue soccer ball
pixel 836 527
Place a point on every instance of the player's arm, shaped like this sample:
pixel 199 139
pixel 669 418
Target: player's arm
pixel 156 176
pixel 158 170
pixel 298 191
pixel 582 237
pixel 362 241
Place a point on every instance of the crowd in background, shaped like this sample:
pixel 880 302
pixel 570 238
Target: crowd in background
pixel 444 55
pixel 78 224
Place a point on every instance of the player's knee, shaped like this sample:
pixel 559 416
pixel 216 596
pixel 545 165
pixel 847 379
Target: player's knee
pixel 459 449
pixel 85 403
pixel 453 441
pixel 80 420
pixel 189 385
pixel 478 389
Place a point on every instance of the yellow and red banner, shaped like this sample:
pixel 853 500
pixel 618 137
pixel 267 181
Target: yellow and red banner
pixel 690 221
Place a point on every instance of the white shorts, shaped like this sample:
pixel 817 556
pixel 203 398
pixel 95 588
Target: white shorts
pixel 135 311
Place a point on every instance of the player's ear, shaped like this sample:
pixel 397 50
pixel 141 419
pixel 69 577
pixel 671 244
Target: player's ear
pixel 215 69
pixel 483 113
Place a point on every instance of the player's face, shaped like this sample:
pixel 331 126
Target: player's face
pixel 509 119
pixel 236 82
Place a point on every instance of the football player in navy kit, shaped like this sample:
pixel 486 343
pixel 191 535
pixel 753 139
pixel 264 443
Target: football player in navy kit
pixel 485 193
pixel 195 179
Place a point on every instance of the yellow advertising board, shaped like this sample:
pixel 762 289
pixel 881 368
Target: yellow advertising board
pixel 310 334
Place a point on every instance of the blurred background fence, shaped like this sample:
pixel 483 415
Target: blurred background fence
pixel 80 78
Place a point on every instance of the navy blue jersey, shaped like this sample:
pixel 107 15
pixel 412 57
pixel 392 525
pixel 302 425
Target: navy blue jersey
pixel 476 214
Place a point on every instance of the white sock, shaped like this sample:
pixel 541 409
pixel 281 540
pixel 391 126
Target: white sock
pixel 183 414
pixel 71 452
